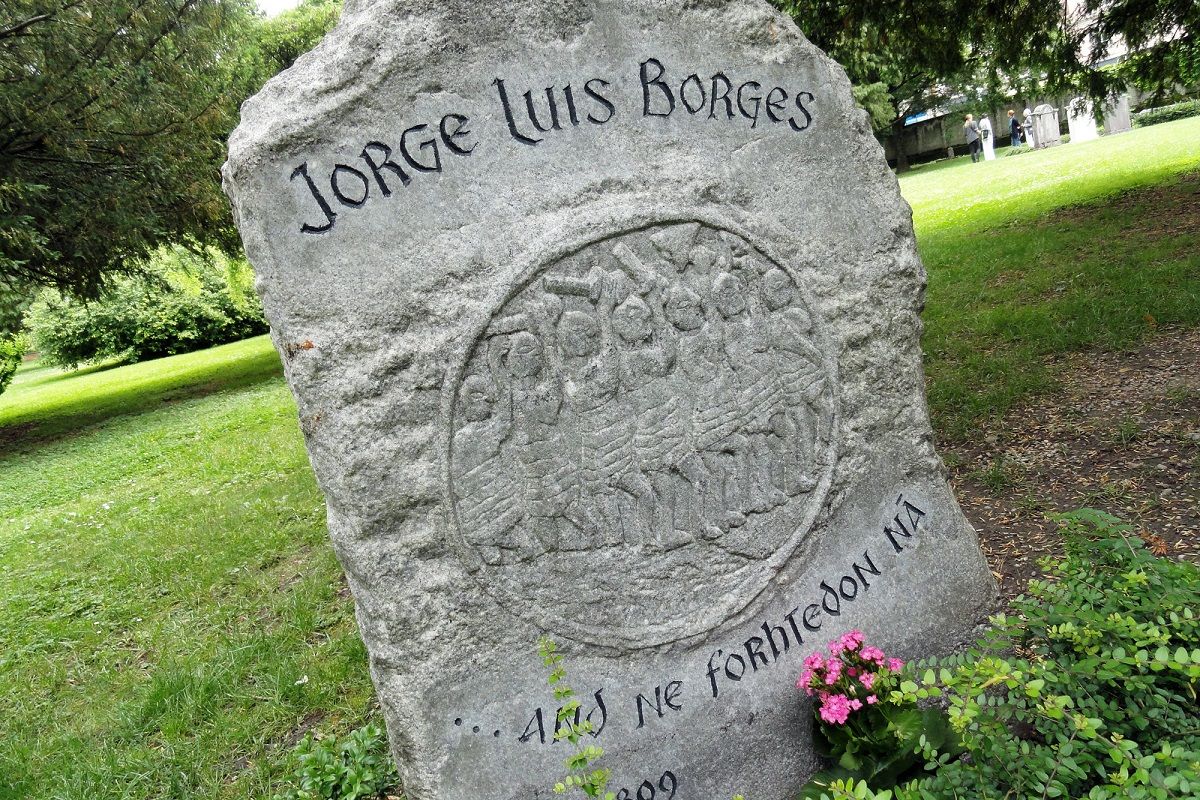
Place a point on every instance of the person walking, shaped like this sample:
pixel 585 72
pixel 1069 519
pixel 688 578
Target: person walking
pixel 1014 129
pixel 972 132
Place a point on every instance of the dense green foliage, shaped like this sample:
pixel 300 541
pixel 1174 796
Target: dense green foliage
pixel 113 115
pixel 1156 116
pixel 904 58
pixel 355 766
pixel 113 120
pixel 12 348
pixel 1089 689
pixel 1163 38
pixel 283 39
pixel 181 302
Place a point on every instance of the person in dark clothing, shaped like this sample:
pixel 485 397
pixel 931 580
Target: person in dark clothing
pixel 1014 128
pixel 972 132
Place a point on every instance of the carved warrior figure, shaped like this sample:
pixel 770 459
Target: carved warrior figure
pixel 606 431
pixel 488 507
pixel 620 407
pixel 799 421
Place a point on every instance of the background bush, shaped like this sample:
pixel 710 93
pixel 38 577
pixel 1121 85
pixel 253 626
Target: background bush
pixel 1153 116
pixel 181 301
pixel 12 348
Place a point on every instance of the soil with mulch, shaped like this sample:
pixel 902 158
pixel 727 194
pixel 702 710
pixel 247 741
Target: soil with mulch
pixel 1121 434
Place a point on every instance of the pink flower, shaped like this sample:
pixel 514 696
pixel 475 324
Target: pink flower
pixel 872 699
pixel 836 709
pixel 833 671
pixel 856 704
pixel 873 654
pixel 836 646
pixel 805 682
pixel 867 679
pixel 814 661
pixel 852 640
pixel 895 664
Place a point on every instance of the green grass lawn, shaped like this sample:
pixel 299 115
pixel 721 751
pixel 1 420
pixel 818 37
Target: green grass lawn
pixel 165 583
pixel 171 614
pixel 1014 278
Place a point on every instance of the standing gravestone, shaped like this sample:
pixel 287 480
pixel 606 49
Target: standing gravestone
pixel 602 319
pixel 1081 121
pixel 986 136
pixel 1046 130
pixel 1117 118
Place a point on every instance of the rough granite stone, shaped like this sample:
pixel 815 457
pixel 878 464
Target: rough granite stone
pixel 603 322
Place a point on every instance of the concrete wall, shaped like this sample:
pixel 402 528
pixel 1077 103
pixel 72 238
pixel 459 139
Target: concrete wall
pixel 928 140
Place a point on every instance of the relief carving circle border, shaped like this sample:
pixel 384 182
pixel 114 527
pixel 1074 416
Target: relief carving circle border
pixel 551 620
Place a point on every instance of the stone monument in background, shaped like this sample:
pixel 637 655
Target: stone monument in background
pixel 1046 129
pixel 1081 121
pixel 603 323
pixel 1117 118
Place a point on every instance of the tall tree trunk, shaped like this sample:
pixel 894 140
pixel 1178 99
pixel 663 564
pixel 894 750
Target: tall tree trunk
pixel 898 141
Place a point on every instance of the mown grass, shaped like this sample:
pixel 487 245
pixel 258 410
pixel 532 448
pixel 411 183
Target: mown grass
pixel 1013 278
pixel 171 614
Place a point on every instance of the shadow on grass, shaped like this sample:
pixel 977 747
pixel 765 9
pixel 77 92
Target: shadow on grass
pixel 1099 276
pixel 73 402
pixel 36 374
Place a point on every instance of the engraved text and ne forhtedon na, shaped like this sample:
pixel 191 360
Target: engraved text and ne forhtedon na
pixel 653 406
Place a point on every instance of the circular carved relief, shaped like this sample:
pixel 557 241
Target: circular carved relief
pixel 641 435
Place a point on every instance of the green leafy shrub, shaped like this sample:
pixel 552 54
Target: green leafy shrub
pixel 1088 691
pixel 181 302
pixel 355 766
pixel 1154 116
pixel 582 772
pixel 12 349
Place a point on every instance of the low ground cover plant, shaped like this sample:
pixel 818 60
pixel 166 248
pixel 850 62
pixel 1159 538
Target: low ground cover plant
pixel 351 767
pixel 1088 690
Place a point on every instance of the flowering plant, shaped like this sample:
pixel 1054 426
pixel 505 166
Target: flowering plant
pixel 867 733
pixel 854 676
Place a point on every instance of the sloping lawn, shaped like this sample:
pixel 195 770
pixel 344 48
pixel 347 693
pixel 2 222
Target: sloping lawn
pixel 1014 277
pixel 171 614
pixel 172 618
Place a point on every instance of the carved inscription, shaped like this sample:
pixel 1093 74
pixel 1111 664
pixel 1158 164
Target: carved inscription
pixel 650 420
pixel 658 92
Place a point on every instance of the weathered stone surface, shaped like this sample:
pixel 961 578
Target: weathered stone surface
pixel 1081 121
pixel 1046 128
pixel 645 378
pixel 1117 118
